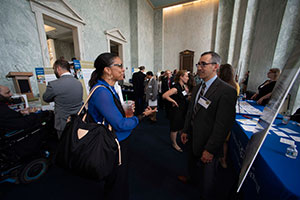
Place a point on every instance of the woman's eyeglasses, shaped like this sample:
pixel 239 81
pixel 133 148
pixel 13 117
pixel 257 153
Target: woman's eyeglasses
pixel 118 65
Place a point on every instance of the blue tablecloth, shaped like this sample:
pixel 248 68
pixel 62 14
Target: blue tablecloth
pixel 273 175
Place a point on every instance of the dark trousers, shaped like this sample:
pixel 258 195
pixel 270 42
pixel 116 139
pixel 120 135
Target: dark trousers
pixel 203 174
pixel 116 184
pixel 160 101
pixel 139 105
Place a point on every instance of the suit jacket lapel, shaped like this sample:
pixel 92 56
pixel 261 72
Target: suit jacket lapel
pixel 194 95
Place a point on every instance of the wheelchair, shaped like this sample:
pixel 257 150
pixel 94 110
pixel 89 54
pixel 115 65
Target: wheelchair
pixel 26 154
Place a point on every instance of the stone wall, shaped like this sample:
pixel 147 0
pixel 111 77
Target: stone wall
pixel 189 27
pixel 19 42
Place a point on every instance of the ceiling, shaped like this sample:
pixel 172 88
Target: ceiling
pixel 157 4
pixel 59 32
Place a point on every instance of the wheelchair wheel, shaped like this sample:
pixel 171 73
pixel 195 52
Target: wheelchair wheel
pixel 33 170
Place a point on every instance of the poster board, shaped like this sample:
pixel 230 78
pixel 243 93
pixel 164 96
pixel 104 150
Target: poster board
pixel 83 69
pixel 84 72
pixel 286 80
pixel 44 75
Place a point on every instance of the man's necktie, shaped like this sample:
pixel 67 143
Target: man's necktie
pixel 200 94
pixel 202 89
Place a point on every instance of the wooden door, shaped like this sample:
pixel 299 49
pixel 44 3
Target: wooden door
pixel 187 60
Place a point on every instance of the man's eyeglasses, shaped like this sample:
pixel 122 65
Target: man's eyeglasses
pixel 203 64
pixel 118 65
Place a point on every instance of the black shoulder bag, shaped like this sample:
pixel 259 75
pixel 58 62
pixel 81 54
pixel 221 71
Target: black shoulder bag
pixel 89 149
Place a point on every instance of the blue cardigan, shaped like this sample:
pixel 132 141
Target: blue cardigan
pixel 101 104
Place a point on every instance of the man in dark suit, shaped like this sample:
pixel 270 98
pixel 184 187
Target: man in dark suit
pixel 66 92
pixel 13 120
pixel 209 119
pixel 138 79
pixel 166 84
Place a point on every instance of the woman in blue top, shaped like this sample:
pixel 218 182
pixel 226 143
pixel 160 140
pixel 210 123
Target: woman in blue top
pixel 109 69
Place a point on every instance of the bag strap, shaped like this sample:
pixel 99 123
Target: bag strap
pixel 117 101
pixel 87 99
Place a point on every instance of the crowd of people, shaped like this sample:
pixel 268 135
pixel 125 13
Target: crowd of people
pixel 200 108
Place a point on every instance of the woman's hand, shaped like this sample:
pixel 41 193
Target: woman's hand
pixel 259 101
pixel 267 96
pixel 174 103
pixel 148 111
pixel 254 96
pixel 133 107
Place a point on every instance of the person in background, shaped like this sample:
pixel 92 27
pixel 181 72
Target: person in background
pixel 191 84
pixel 174 73
pixel 72 68
pixel 12 120
pixel 151 91
pixel 160 100
pixel 226 73
pixel 166 84
pixel 210 117
pixel 264 92
pixel 197 78
pixel 66 92
pixel 177 96
pixel 138 79
pixel 105 104
pixel 245 82
pixel 118 89
pixel 296 116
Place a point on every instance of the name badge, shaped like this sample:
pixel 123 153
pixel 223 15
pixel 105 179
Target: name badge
pixel 184 93
pixel 150 86
pixel 204 102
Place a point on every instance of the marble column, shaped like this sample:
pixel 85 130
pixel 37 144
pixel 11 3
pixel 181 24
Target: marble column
pixel 134 33
pixel 224 21
pixel 158 40
pixel 247 36
pixel 238 21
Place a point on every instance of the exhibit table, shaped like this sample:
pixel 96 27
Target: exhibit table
pixel 273 174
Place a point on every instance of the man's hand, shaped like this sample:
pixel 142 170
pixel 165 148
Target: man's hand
pixel 184 138
pixel 28 110
pixel 206 157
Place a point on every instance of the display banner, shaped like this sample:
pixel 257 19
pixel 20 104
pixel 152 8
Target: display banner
pixel 85 73
pixel 44 75
pixel 283 85
pixel 76 64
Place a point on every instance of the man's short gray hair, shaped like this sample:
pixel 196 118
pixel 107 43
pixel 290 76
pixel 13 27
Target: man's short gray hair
pixel 215 58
